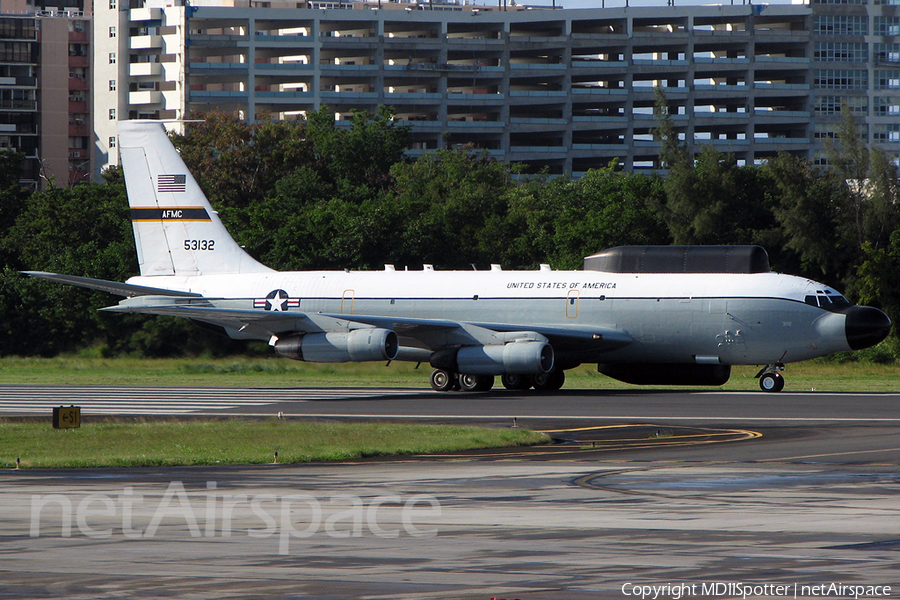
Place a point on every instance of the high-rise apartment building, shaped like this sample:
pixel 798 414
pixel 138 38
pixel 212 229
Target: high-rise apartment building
pixel 45 90
pixel 569 89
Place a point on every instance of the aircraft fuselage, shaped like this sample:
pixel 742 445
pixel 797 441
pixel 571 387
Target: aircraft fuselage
pixel 720 318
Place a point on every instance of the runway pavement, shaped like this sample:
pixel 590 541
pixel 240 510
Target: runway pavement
pixel 808 496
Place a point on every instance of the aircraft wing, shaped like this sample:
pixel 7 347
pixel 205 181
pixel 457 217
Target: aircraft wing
pixel 438 333
pixel 432 334
pixel 112 287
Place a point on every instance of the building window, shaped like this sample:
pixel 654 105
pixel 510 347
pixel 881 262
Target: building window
pixel 112 141
pixel 887 25
pixel 887 133
pixel 887 80
pixel 112 32
pixel 833 105
pixel 887 106
pixel 112 85
pixel 112 114
pixel 841 52
pixel 841 25
pixel 830 131
pixel 841 79
pixel 112 4
pixel 887 53
pixel 112 58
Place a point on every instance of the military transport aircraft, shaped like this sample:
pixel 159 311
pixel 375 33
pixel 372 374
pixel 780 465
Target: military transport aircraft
pixel 645 315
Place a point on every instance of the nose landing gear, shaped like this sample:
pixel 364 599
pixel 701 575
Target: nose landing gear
pixel 770 379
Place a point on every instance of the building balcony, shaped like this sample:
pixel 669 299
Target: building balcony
pixel 599 64
pixel 536 94
pixel 473 124
pixel 537 66
pixel 144 98
pixel 328 67
pixel 284 39
pixel 146 42
pixel 198 95
pixel 780 140
pixel 216 41
pixel 404 96
pixel 18 105
pixel 615 147
pixel 544 151
pixel 781 114
pixel 601 91
pixel 144 14
pixel 348 95
pixel 711 87
pixel 537 121
pixel 145 69
pixel 284 95
pixel 290 66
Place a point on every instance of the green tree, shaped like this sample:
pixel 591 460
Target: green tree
pixel 446 208
pixel 560 221
pixel 357 160
pixel 807 205
pixel 236 163
pixel 12 195
pixel 84 231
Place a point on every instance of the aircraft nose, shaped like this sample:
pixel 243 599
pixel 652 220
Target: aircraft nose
pixel 865 326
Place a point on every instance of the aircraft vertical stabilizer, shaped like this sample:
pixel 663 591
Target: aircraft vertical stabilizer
pixel 175 228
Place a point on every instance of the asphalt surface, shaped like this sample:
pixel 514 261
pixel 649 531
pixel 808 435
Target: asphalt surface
pixel 672 494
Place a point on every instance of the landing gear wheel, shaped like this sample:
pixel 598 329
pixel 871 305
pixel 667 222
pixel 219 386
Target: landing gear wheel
pixel 476 383
pixel 549 382
pixel 771 382
pixel 516 382
pixel 443 381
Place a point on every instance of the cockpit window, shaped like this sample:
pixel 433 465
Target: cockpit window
pixel 827 300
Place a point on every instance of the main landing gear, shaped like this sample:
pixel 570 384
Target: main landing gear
pixel 770 379
pixel 445 381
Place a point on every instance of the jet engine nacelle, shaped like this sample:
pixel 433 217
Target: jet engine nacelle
pixel 359 345
pixel 516 358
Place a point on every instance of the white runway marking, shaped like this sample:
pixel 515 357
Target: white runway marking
pixel 114 400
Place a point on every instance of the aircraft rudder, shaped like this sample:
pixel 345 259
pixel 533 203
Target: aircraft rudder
pixel 176 230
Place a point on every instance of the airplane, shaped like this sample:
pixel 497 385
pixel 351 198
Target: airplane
pixel 680 315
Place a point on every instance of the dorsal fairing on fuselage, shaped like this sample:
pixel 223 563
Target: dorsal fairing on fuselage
pixel 680 259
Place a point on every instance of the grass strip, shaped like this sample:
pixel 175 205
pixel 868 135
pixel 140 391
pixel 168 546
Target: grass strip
pixel 821 375
pixel 167 443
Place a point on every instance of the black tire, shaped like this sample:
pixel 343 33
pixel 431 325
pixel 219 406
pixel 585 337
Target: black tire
pixel 549 382
pixel 771 382
pixel 516 382
pixel 476 383
pixel 443 381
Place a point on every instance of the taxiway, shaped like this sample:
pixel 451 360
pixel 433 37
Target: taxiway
pixel 811 498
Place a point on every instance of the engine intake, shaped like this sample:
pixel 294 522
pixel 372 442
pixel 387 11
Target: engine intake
pixel 516 358
pixel 359 345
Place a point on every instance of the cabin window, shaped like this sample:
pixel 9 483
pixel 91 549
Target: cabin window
pixel 828 301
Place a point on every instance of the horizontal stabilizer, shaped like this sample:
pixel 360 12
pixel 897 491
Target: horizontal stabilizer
pixel 112 287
